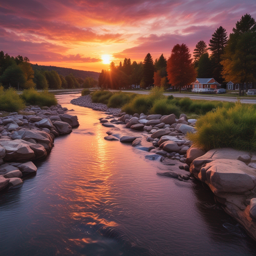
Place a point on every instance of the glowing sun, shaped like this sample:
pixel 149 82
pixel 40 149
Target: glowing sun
pixel 106 58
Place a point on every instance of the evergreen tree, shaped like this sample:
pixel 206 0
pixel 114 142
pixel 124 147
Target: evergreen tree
pixel 160 63
pixel 217 45
pixel 148 70
pixel 239 60
pixel 13 76
pixel 180 69
pixel 204 66
pixel 201 48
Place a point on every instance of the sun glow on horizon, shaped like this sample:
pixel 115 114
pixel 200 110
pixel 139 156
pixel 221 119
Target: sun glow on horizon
pixel 106 59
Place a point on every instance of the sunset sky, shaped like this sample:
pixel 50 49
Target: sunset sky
pixel 76 33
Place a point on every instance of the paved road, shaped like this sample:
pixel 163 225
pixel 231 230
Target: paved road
pixel 203 97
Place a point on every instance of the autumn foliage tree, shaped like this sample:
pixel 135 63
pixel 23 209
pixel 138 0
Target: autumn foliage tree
pixel 157 79
pixel 180 69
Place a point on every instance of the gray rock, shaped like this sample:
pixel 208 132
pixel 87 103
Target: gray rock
pixel 72 120
pixel 153 122
pixel 62 127
pixel 137 127
pixel 170 146
pixel 245 158
pixel 170 119
pixel 160 133
pixel 184 128
pixel 184 150
pixel 13 174
pixel 143 121
pixel 26 168
pixel 15 182
pixel 136 142
pixel 154 116
pixel 132 121
pixel 111 138
pixel 45 123
pixel 127 139
pixel 12 127
pixel 108 125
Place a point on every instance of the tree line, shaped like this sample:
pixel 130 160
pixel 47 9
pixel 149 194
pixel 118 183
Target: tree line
pixel 18 73
pixel 225 59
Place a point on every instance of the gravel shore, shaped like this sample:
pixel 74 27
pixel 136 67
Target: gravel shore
pixel 86 101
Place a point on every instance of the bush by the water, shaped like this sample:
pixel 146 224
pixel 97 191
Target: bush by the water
pixel 32 97
pixel 163 107
pixel 117 100
pixel 101 96
pixel 233 127
pixel 85 92
pixel 10 100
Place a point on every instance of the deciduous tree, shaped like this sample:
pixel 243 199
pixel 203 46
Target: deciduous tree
pixel 180 69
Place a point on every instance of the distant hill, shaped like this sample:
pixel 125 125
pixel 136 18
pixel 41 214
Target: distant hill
pixel 67 71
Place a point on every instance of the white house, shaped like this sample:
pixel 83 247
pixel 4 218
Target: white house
pixel 206 83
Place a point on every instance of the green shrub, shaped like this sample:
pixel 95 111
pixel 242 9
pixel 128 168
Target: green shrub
pixel 10 100
pixel 118 100
pixel 163 107
pixel 170 97
pixel 184 103
pixel 101 96
pixel 234 127
pixel 139 104
pixel 85 92
pixel 32 97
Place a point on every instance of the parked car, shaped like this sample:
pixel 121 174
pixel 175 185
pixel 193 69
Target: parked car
pixel 221 90
pixel 251 92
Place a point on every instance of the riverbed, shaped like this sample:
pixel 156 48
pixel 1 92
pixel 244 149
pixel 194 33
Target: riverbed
pixel 96 197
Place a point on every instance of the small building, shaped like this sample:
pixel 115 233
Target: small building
pixel 206 83
pixel 232 86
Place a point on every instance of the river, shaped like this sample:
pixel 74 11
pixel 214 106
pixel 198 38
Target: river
pixel 94 197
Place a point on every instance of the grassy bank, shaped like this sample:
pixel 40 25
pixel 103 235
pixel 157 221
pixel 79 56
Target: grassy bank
pixel 156 103
pixel 220 124
pixel 10 101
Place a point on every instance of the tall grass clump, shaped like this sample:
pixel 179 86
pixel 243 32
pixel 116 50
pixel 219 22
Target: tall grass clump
pixel 234 127
pixel 101 96
pixel 32 97
pixel 85 91
pixel 10 100
pixel 139 104
pixel 117 100
pixel 164 107
pixel 143 103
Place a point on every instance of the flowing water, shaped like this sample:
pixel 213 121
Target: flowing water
pixel 95 197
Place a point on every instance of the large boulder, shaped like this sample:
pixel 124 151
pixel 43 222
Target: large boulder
pixel 17 150
pixel 170 119
pixel 228 176
pixel 193 153
pixel 15 182
pixel 45 123
pixel 3 182
pixel 170 146
pixel 127 139
pixel 211 155
pixel 26 168
pixel 160 133
pixel 62 127
pixel 72 120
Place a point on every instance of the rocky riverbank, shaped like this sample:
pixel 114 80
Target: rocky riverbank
pixel 28 136
pixel 229 173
